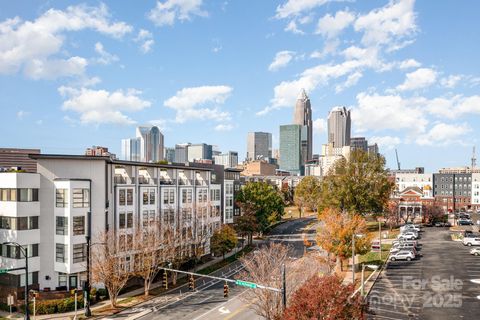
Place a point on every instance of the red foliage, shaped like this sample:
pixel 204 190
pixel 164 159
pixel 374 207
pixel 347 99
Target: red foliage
pixel 325 298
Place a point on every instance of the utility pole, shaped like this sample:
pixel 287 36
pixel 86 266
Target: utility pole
pixel 284 287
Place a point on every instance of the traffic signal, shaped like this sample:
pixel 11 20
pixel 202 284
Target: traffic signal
pixel 191 283
pixel 165 279
pixel 225 290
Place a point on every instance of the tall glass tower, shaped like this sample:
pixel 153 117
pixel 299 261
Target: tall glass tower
pixel 302 115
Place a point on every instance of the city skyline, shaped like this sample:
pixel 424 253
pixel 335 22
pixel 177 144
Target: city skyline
pixel 386 60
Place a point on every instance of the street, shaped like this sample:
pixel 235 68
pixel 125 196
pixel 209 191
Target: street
pixel 207 301
pixel 435 286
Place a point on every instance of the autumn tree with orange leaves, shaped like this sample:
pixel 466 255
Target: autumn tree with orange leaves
pixel 336 233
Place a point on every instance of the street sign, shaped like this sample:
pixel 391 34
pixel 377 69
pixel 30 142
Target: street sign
pixel 247 284
pixel 10 300
pixel 3 271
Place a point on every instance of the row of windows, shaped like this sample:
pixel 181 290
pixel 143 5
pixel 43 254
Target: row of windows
pixel 168 196
pixel 79 252
pixel 61 226
pixel 125 220
pixel 457 193
pixel 125 197
pixel 19 223
pixel 461 179
pixel 202 195
pixel 149 196
pixel 13 280
pixel 81 198
pixel 13 252
pixel 215 195
pixel 187 196
pixel 19 194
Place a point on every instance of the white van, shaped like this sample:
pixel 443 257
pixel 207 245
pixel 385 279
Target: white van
pixel 471 242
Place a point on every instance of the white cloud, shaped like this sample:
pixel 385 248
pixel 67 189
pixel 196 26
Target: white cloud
pixel 167 12
pixel 223 127
pixel 389 25
pixel 22 114
pixel 329 48
pixel 282 59
pixel 292 27
pixel 189 103
pixel 34 46
pixel 330 26
pixel 145 38
pixel 450 81
pixel 352 80
pixel 160 123
pixel 104 56
pixel 452 107
pixel 319 126
pixel 293 8
pixel 409 63
pixel 385 142
pixel 418 79
pixel 391 112
pixel 101 106
pixel 444 134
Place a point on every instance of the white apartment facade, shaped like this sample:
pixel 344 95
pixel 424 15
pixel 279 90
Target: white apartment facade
pixel 423 181
pixel 19 223
pixel 121 195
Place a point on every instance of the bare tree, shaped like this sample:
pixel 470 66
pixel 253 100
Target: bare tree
pixel 109 265
pixel 172 252
pixel 265 268
pixel 148 253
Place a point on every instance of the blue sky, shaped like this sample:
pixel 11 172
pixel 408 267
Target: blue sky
pixel 76 74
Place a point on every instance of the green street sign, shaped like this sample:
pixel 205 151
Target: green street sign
pixel 247 284
pixel 3 271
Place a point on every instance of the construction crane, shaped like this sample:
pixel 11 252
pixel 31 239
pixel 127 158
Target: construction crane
pixel 398 162
pixel 474 158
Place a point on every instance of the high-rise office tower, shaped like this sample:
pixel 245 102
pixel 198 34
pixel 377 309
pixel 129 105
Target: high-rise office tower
pixel 302 115
pixel 359 143
pixel 339 124
pixel 199 151
pixel 291 148
pixel 181 152
pixel 147 146
pixel 169 154
pixel 228 160
pixel 259 145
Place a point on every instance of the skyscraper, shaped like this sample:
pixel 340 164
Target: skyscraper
pixel 359 143
pixel 302 115
pixel 259 145
pixel 147 146
pixel 181 152
pixel 290 148
pixel 339 124
pixel 199 151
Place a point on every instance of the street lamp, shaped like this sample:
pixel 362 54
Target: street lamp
pixel 24 250
pixel 86 285
pixel 353 255
pixel 371 266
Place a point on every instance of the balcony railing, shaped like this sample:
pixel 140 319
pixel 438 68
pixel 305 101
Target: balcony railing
pixel 167 181
pixel 185 182
pixel 120 180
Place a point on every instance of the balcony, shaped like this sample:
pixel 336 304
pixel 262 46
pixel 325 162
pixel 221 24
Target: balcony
pixel 200 183
pixel 185 182
pixel 120 179
pixel 167 181
pixel 144 180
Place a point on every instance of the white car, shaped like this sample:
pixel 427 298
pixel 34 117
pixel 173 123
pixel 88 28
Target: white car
pixel 475 251
pixel 410 227
pixel 407 236
pixel 402 255
pixel 471 241
pixel 401 241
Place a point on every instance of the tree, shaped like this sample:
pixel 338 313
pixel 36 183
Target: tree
pixel 109 265
pixel 172 252
pixel 287 192
pixel 148 256
pixel 223 240
pixel 325 298
pixel 336 234
pixel 432 213
pixel 358 185
pixel 307 193
pixel 247 224
pixel 263 199
pixel 391 215
pixel 265 267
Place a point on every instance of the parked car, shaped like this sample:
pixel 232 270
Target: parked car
pixel 410 227
pixel 475 251
pixel 401 241
pixel 404 246
pixel 402 255
pixel 470 234
pixel 471 241
pixel 465 222
pixel 407 236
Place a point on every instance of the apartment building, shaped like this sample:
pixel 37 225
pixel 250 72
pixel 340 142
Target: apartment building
pixel 19 223
pixel 115 194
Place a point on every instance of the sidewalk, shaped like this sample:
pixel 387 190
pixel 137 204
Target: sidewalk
pixel 126 295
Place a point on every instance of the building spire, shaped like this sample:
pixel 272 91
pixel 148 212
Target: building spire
pixel 302 95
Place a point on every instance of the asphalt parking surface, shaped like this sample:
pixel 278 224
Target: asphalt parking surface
pixel 437 285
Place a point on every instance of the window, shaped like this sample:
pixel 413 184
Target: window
pixel 145 197
pixel 61 226
pixel 22 223
pixel 62 280
pixel 165 196
pixel 19 223
pixel 33 222
pixel 121 197
pixel 171 197
pixel 61 198
pixel 152 196
pixel 79 252
pixel 81 198
pixel 129 219
pixel 145 218
pixel 121 220
pixel 129 197
pixel 32 278
pixel 60 252
pixel 27 195
pixel 78 225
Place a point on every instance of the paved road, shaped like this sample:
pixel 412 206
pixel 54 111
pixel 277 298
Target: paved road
pixel 208 302
pixel 436 286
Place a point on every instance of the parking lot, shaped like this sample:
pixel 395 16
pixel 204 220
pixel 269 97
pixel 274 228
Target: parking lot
pixel 436 285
